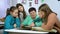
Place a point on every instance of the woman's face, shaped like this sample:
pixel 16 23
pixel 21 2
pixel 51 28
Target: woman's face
pixel 15 13
pixel 20 8
pixel 41 14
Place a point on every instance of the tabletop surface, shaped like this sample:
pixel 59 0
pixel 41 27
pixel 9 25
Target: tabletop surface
pixel 23 31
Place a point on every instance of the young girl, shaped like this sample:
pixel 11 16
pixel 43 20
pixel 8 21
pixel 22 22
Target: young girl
pixel 12 19
pixel 21 11
pixel 50 18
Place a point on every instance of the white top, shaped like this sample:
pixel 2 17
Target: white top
pixel 21 16
pixel 23 31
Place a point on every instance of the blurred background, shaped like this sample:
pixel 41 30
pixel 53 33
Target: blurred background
pixel 4 4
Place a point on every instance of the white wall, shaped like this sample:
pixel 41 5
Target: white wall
pixel 54 5
pixel 13 2
pixel 26 6
pixel 4 4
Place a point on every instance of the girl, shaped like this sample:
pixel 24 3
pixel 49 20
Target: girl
pixel 12 19
pixel 21 11
pixel 50 18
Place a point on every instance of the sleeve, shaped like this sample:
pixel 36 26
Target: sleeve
pixel 17 22
pixel 38 24
pixel 7 22
pixel 25 21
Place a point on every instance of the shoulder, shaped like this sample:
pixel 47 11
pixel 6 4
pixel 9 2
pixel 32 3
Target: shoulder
pixel 52 15
pixel 28 16
pixel 9 17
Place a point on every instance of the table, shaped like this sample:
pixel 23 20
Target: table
pixel 24 31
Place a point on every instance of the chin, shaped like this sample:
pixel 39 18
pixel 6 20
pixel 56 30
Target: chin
pixel 41 17
pixel 14 16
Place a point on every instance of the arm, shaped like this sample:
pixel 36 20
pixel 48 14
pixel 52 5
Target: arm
pixel 25 21
pixel 32 24
pixel 38 24
pixel 57 23
pixel 7 22
pixel 50 22
pixel 17 22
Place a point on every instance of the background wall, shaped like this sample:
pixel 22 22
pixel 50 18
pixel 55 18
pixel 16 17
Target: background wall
pixel 4 4
pixel 53 4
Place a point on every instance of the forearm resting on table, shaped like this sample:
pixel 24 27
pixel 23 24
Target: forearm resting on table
pixel 46 27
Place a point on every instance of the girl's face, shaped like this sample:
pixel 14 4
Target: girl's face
pixel 15 13
pixel 20 8
pixel 41 14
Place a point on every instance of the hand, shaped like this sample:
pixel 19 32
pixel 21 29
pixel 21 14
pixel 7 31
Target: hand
pixel 16 16
pixel 46 27
pixel 43 26
pixel 21 26
pixel 15 25
pixel 32 25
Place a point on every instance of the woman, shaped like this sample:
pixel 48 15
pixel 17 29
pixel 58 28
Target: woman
pixel 12 19
pixel 21 11
pixel 50 18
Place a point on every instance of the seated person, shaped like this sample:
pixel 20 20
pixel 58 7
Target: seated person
pixel 50 18
pixel 21 10
pixel 12 19
pixel 32 18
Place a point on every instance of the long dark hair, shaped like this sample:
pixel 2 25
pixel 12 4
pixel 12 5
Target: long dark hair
pixel 45 8
pixel 12 8
pixel 7 12
pixel 24 14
